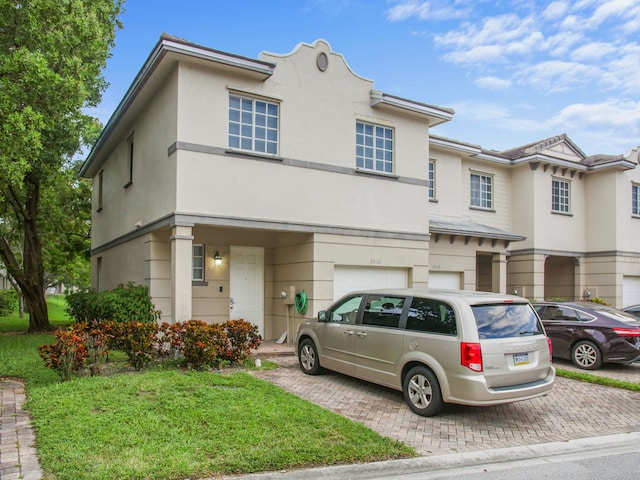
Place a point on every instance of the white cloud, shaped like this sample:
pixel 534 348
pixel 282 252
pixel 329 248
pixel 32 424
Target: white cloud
pixel 614 113
pixel 493 83
pixel 555 10
pixel 556 75
pixel 426 11
pixel 591 52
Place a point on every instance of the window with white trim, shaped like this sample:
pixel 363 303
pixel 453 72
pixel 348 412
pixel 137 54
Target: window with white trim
pixel 635 199
pixel 431 182
pixel 560 196
pixel 374 147
pixel 481 190
pixel 253 124
pixel 198 263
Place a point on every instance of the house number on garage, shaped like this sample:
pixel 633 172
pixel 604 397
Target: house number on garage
pixel 376 261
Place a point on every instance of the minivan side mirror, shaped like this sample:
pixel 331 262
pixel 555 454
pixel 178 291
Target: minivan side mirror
pixel 322 316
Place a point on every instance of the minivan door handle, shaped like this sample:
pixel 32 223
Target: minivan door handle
pixel 348 332
pixel 361 334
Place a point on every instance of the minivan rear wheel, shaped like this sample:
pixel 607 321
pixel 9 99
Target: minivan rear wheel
pixel 586 355
pixel 308 357
pixel 422 392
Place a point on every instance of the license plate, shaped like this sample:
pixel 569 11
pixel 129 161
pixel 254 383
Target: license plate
pixel 521 359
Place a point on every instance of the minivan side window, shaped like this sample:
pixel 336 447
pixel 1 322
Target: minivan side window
pixel 383 311
pixel 346 312
pixel 431 316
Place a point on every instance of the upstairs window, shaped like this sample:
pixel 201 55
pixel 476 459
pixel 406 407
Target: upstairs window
pixel 374 147
pixel 482 191
pixel 198 263
pixel 635 200
pixel 431 182
pixel 560 196
pixel 253 125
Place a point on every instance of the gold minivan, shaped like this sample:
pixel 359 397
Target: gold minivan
pixel 436 346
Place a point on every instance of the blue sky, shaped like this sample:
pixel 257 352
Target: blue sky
pixel 514 71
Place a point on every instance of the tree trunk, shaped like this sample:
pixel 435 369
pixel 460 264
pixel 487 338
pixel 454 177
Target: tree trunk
pixel 15 286
pixel 30 277
pixel 33 288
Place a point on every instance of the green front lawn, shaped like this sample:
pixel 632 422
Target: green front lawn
pixel 165 423
pixel 56 306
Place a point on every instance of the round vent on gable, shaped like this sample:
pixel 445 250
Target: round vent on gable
pixel 322 61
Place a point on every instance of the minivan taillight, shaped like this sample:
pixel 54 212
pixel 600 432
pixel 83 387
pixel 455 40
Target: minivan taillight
pixel 471 356
pixel 550 349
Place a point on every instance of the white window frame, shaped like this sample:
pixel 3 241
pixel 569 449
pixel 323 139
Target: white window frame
pixel 254 124
pixel 560 195
pixel 374 147
pixel 481 194
pixel 431 180
pixel 635 199
pixel 197 271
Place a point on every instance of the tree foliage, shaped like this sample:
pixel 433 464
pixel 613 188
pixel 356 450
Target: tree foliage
pixel 52 53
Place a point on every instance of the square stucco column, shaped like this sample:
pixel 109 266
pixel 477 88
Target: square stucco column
pixel 181 259
pixel 499 273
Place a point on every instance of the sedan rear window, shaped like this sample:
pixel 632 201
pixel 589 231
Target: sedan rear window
pixel 506 320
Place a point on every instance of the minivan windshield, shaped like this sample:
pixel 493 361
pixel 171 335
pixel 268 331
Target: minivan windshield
pixel 506 320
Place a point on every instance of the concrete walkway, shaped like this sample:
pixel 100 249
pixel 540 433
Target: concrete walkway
pixel 18 454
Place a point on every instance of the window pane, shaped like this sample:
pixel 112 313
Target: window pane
pixel 234 102
pixel 433 316
pixel 253 120
pixel 382 311
pixel 378 152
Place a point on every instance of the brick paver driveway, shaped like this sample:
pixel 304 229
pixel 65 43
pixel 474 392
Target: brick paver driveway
pixel 572 410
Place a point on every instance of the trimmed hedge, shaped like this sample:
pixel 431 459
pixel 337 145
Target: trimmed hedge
pixel 125 303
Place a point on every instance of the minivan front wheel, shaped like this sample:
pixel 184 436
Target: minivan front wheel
pixel 586 355
pixel 422 392
pixel 308 357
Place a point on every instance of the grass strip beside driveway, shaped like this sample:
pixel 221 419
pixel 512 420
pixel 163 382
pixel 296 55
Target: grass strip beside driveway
pixel 172 424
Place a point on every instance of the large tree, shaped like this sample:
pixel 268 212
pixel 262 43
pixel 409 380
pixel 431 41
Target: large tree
pixel 52 53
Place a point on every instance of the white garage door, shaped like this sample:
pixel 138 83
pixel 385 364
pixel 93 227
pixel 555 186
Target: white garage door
pixel 630 291
pixel 444 280
pixel 347 279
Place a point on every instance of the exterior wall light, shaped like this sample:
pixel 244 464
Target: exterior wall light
pixel 217 258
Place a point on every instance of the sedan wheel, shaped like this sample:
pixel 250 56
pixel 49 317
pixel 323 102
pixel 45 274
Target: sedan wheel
pixel 422 392
pixel 308 357
pixel 586 355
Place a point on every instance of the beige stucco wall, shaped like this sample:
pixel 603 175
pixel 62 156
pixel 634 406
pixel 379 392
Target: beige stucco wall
pixel 152 193
pixel 130 257
pixel 318 114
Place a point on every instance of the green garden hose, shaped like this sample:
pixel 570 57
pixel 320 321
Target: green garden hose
pixel 301 302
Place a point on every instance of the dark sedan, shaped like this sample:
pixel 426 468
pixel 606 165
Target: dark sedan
pixel 590 334
pixel 633 310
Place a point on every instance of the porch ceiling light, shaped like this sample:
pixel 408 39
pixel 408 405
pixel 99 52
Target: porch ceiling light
pixel 217 258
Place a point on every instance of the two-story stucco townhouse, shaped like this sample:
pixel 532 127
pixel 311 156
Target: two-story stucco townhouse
pixel 576 220
pixel 225 183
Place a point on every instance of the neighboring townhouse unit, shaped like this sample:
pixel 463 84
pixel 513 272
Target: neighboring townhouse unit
pixel 557 223
pixel 226 183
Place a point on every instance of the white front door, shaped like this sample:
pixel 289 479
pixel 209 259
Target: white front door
pixel 246 285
